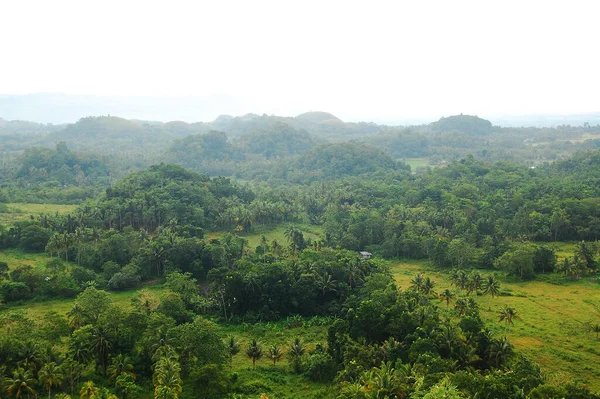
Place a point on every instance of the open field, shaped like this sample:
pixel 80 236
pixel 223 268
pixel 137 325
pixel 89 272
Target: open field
pixel 415 163
pixel 17 257
pixel 276 233
pixel 20 211
pixel 551 327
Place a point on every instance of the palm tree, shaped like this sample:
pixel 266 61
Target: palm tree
pixel 390 348
pixel 76 317
pixel 416 284
pixel 101 346
pixel 500 351
pixel 120 365
pixel 295 353
pixel 234 348
pixel 88 390
pixel 275 353
pixel 491 286
pixel 50 376
pixel 254 351
pixel 386 382
pixel 355 273
pixel 428 285
pixel 263 244
pixel 596 329
pixel 447 296
pixel 326 283
pixel 508 315
pixel 79 237
pixel 461 306
pixel 72 373
pixel 22 382
pixel 475 282
pixel 167 382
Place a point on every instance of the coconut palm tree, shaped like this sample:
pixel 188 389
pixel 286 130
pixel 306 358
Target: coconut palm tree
pixel 461 307
pixel 416 284
pixel 50 375
pixel 295 353
pixel 88 390
pixel 72 373
pixel 275 353
pixel 428 285
pixel 120 364
pixel 500 351
pixel 508 315
pixel 596 329
pixel 21 383
pixel 355 274
pixel 491 286
pixel 166 378
pixel 234 348
pixel 447 296
pixel 254 352
pixel 263 244
pixel 101 346
pixel 76 317
pixel 475 282
pixel 326 283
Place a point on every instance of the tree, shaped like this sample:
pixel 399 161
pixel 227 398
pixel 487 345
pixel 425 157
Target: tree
pixel 475 283
pixel 72 373
pixel 508 315
pixel 125 384
pixel 295 354
pixel 88 390
pixel 275 353
pixel 447 296
pixel 233 348
pixel 101 346
pixel 596 329
pixel 491 286
pixel 254 351
pixel 518 261
pixel 166 378
pixel 22 382
pixel 120 364
pixel 445 390
pixel 146 301
pixel 50 376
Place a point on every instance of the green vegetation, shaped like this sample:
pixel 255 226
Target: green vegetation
pixel 167 282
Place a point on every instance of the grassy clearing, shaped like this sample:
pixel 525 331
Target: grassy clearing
pixel 276 380
pixel 561 249
pixel 62 306
pixel 551 325
pixel 20 211
pixel 276 233
pixel 17 257
pixel 415 163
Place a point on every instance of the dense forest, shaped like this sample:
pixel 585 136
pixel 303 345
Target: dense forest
pixel 162 218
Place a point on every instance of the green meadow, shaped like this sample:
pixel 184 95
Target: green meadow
pixel 21 211
pixel 552 325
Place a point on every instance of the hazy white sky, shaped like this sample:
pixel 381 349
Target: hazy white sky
pixel 376 60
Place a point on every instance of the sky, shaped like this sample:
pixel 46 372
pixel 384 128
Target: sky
pixel 360 60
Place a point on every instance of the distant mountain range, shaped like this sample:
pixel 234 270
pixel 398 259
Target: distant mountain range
pixel 57 108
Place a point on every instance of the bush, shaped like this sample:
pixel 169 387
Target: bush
pixel 122 281
pixel 320 367
pixel 14 291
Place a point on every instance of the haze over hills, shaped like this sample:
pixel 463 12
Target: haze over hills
pixel 58 108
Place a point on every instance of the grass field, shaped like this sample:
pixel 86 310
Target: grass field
pixel 415 163
pixel 276 233
pixel 19 211
pixel 16 257
pixel 550 329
